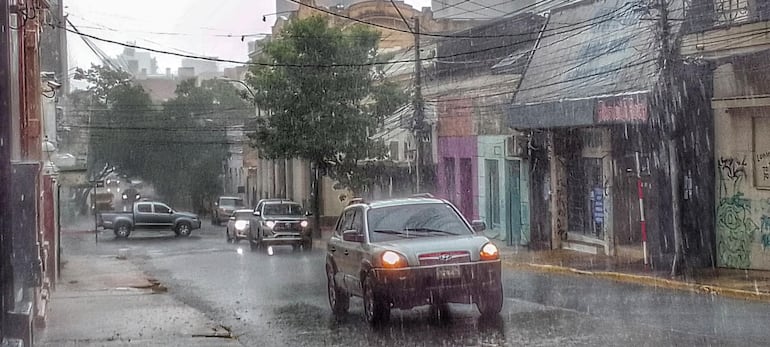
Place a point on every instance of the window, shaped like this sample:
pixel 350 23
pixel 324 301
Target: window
pixel 346 221
pixel 163 209
pixel 282 210
pixel 358 221
pixel 230 202
pixel 394 150
pixel 144 208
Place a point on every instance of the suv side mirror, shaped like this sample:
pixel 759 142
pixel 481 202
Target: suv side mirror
pixel 257 213
pixel 308 213
pixel 232 218
pixel 353 236
pixel 479 225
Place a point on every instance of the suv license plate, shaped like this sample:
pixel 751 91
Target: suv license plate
pixel 447 272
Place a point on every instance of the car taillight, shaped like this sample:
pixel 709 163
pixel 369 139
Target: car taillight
pixel 392 259
pixel 489 252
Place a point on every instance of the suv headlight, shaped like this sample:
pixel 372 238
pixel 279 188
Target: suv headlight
pixel 303 224
pixel 390 259
pixel 489 252
pixel 270 224
pixel 241 224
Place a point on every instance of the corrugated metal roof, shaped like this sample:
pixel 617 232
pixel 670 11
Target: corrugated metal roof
pixel 589 49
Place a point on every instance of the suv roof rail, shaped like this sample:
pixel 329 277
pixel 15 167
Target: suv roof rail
pixel 356 201
pixel 423 195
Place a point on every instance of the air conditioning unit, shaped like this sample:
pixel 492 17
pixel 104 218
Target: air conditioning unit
pixel 516 146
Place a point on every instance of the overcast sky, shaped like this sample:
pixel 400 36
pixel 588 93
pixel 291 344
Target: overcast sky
pixel 186 26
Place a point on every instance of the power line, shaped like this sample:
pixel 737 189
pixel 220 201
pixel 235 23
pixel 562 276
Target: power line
pixel 345 65
pixel 321 9
pixel 402 16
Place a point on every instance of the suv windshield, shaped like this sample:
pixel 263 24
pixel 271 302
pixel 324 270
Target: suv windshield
pixel 283 210
pixel 230 202
pixel 414 220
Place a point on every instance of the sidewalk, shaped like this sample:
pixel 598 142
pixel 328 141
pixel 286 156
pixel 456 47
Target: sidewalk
pixel 629 268
pixel 105 301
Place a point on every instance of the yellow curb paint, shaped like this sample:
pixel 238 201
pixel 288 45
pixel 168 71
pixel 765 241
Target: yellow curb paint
pixel 645 280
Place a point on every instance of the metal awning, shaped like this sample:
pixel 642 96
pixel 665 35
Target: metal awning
pixel 589 50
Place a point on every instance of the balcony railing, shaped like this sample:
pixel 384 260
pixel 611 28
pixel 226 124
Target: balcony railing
pixel 703 15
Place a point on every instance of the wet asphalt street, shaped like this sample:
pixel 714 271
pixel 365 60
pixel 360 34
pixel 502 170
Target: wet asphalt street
pixel 280 300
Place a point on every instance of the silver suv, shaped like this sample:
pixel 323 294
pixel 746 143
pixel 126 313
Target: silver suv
pixel 279 222
pixel 411 252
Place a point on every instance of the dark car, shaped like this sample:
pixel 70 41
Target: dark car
pixel 279 222
pixel 411 252
pixel 149 215
pixel 224 208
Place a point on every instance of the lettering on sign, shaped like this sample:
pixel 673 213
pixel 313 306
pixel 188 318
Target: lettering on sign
pixel 622 109
pixel 761 162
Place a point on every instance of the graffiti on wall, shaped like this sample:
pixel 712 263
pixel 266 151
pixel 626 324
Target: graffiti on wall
pixel 736 231
pixel 735 227
pixel 732 174
pixel 765 230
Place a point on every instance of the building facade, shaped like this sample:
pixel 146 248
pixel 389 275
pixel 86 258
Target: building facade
pixel 28 254
pixel 731 39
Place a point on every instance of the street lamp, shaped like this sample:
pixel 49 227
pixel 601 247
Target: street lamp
pixel 253 95
pixel 264 16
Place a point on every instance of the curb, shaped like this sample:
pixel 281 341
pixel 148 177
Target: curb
pixel 645 280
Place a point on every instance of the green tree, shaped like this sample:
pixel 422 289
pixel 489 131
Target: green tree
pixel 117 107
pixel 317 83
pixel 179 147
pixel 193 130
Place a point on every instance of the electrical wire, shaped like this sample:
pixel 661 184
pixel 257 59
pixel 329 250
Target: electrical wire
pixel 392 2
pixel 94 37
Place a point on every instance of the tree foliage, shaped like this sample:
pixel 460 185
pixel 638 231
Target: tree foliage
pixel 323 97
pixel 180 147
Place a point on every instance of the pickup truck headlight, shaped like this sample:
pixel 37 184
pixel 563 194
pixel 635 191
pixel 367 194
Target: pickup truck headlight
pixel 241 224
pixel 270 224
pixel 303 224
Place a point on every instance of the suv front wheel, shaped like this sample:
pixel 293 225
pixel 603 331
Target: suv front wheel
pixel 376 310
pixel 491 302
pixel 338 299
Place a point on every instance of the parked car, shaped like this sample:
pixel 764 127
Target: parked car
pixel 411 252
pixel 224 208
pixel 279 222
pixel 238 225
pixel 149 215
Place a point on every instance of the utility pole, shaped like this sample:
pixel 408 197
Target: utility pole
pixel 667 91
pixel 419 126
